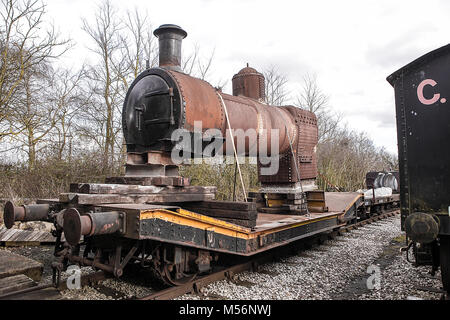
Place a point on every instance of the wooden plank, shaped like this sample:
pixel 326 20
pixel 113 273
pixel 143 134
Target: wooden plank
pixel 315 195
pixel 143 181
pixel 10 234
pixel 162 181
pixel 47 201
pixel 17 237
pixel 3 232
pixel 180 181
pixel 229 205
pixel 96 188
pixel 127 189
pixel 22 236
pixel 149 181
pixel 13 264
pixel 15 283
pixel 165 198
pixel 94 198
pixel 18 234
pixel 81 198
pixel 36 236
pixel 43 294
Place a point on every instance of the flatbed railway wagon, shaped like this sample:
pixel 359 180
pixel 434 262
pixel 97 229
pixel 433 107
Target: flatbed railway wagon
pixel 152 216
pixel 422 101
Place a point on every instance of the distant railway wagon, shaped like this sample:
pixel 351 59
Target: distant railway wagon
pixel 422 93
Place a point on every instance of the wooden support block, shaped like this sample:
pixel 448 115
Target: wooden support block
pixel 149 181
pixel 126 189
pixel 223 213
pixel 143 181
pixel 97 188
pixel 81 198
pixel 230 205
pixel 166 198
pixel 180 181
pixel 13 264
pixel 15 283
pixel 273 210
pixel 162 181
pixel 316 201
pixel 315 195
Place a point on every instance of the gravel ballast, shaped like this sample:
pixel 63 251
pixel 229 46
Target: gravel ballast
pixel 335 270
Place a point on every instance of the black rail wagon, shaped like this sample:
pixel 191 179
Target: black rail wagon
pixel 422 99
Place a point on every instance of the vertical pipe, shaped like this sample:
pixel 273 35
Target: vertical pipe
pixel 170 37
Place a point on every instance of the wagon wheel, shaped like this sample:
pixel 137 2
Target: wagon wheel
pixel 445 262
pixel 169 277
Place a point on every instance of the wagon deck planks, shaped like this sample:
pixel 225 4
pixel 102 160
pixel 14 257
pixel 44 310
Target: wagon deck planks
pixel 11 237
pixel 94 193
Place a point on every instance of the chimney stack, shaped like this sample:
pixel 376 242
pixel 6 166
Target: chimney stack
pixel 170 37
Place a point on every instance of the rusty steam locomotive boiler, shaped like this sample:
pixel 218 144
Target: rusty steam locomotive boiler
pixel 162 100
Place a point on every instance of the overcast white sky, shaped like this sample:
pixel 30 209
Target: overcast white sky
pixel 352 46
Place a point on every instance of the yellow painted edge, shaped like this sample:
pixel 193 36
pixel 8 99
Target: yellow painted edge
pixel 199 221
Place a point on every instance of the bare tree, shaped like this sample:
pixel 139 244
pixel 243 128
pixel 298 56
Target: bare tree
pixel 104 81
pixel 141 48
pixel 200 66
pixel 25 42
pixel 313 99
pixel 275 83
pixel 34 116
pixel 122 45
pixel 69 98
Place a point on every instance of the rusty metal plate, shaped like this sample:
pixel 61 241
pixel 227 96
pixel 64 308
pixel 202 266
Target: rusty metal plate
pixel 340 201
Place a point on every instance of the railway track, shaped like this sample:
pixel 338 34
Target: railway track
pixel 48 291
pixel 195 285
